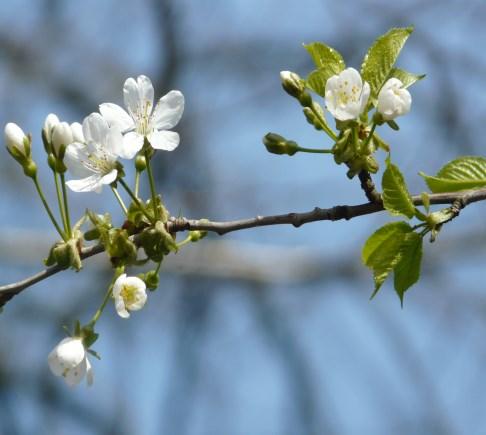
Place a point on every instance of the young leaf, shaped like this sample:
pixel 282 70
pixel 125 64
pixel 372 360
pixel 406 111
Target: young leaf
pixel 316 81
pixel 460 174
pixel 325 57
pixel 407 269
pixel 396 198
pixel 328 62
pixel 381 57
pixel 407 78
pixel 382 250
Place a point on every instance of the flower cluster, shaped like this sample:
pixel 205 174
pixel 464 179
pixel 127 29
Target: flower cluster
pixel 90 153
pixel 349 96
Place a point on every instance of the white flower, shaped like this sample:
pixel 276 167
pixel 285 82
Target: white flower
pixel 141 121
pixel 51 121
pixel 129 293
pixel 94 161
pixel 15 139
pixel 393 100
pixel 69 360
pixel 61 135
pixel 346 95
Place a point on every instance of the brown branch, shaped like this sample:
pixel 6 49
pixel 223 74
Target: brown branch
pixel 369 187
pixel 458 200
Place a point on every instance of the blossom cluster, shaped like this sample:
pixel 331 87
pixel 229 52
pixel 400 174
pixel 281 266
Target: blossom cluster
pixel 90 153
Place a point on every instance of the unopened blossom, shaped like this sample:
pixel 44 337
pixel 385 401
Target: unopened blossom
pixel 94 161
pixel 15 139
pixel 61 136
pixel 346 95
pixel 50 122
pixel 142 120
pixel 129 293
pixel 393 100
pixel 69 359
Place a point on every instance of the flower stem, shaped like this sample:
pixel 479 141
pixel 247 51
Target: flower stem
pixel 135 199
pixel 313 150
pixel 48 210
pixel 152 183
pixel 60 201
pixel 184 242
pixel 368 139
pixel 119 199
pixel 137 183
pixel 158 267
pixel 323 123
pixel 66 206
pixel 99 311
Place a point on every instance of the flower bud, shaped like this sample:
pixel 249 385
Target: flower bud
pixel 292 83
pixel 62 136
pixel 18 144
pixel 277 144
pixel 140 163
pixel 50 122
pixel 393 100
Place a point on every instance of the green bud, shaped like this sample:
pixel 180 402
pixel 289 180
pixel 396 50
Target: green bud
pixel 140 163
pixel 305 99
pixel 311 118
pixel 151 279
pixel 371 165
pixel 292 83
pixel 195 236
pixel 277 144
pixel 120 248
pixel 30 168
pixel 65 255
pixel 51 161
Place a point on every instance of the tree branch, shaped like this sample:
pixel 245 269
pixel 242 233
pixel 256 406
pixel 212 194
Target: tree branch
pixel 459 200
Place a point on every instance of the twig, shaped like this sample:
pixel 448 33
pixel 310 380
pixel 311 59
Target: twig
pixel 459 200
pixel 369 187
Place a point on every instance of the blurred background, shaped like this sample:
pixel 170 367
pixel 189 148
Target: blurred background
pixel 265 331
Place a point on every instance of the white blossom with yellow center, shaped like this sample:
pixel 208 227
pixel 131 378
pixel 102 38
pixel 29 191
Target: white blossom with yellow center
pixel 129 293
pixel 69 359
pixel 393 100
pixel 346 95
pixel 93 157
pixel 141 121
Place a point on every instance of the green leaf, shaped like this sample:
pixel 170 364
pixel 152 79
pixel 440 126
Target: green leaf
pixel 381 57
pixel 328 62
pixel 407 269
pixel 407 78
pixel 382 250
pixel 325 57
pixel 460 174
pixel 396 198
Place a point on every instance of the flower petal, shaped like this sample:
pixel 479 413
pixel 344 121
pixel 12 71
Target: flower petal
pixel 118 285
pixel 110 177
pixel 75 375
pixel 116 116
pixel 164 140
pixel 168 111
pixel 89 373
pixel 120 308
pixel 95 128
pixel 138 96
pixel 87 184
pixel 132 144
